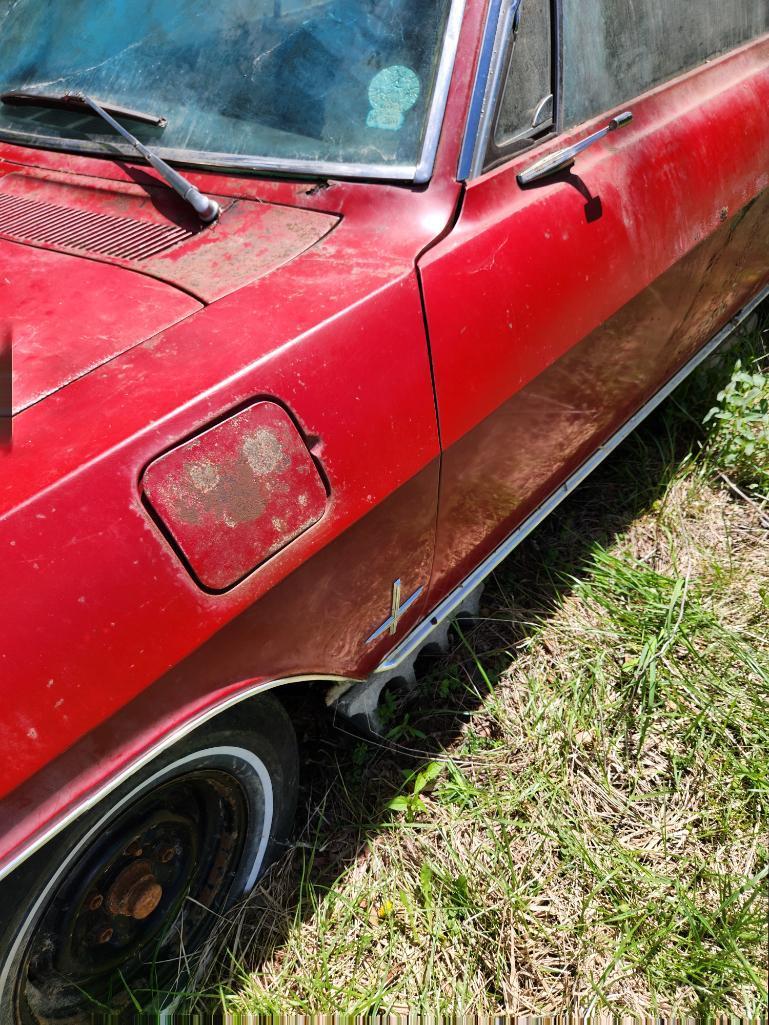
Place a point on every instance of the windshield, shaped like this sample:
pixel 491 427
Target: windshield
pixel 265 82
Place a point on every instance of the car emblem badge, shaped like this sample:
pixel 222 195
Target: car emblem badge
pixel 397 611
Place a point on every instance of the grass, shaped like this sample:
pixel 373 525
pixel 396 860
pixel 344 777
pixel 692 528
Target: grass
pixel 571 813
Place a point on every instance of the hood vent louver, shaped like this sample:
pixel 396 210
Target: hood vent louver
pixel 146 228
pixel 84 231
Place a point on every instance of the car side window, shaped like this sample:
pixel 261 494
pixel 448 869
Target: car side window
pixel 528 91
pixel 614 50
pixel 562 62
pixel 526 109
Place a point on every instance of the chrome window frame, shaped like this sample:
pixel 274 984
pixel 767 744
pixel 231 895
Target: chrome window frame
pixel 491 76
pixel 419 173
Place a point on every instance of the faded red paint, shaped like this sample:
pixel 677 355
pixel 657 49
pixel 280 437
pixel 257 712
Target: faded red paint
pixel 565 325
pixel 310 298
pixel 237 494
pixel 248 240
pixel 67 316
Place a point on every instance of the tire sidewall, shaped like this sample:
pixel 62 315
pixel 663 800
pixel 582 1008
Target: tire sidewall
pixel 264 742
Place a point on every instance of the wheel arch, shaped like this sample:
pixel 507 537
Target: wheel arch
pixel 49 817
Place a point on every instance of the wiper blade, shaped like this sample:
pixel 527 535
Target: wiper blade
pixel 73 101
pixel 206 208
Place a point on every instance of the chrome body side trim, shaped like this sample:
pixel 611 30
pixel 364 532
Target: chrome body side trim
pixel 97 795
pixel 419 173
pixel 420 634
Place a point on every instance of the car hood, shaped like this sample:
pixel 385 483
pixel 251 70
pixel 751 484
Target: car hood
pixel 90 268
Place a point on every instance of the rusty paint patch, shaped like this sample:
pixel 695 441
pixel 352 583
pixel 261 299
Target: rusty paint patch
pixel 204 476
pixel 237 494
pixel 264 452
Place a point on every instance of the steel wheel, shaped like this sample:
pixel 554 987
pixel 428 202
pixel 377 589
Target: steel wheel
pixel 148 876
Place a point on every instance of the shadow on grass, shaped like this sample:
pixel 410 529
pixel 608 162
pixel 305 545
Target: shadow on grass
pixel 349 782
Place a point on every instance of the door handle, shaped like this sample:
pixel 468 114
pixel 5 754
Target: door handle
pixel 563 159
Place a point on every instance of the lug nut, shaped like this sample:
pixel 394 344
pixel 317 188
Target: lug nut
pixel 133 850
pixel 105 935
pixel 167 854
pixel 95 902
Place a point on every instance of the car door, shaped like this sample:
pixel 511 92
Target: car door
pixel 557 309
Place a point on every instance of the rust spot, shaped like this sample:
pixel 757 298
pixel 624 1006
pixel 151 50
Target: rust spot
pixel 233 498
pixel 135 893
pixel 238 500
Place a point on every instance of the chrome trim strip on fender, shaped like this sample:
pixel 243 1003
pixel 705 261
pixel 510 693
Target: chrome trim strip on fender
pixel 397 612
pixel 421 633
pixel 97 795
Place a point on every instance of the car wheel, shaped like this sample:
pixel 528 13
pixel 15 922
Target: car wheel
pixel 106 916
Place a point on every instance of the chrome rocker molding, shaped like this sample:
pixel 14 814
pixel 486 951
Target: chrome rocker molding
pixel 147 756
pixel 421 634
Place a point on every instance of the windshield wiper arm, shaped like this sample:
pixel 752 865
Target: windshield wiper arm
pixel 206 208
pixel 72 101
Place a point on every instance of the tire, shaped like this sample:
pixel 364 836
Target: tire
pixel 109 911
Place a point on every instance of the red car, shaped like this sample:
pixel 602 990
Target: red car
pixel 310 310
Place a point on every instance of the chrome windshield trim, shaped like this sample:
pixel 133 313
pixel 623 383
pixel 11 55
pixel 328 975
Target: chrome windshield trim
pixel 419 173
pixel 93 797
pixel 222 161
pixel 426 165
pixel 419 636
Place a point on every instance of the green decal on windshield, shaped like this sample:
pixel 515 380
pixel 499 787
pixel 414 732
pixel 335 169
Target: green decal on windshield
pixel 392 92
